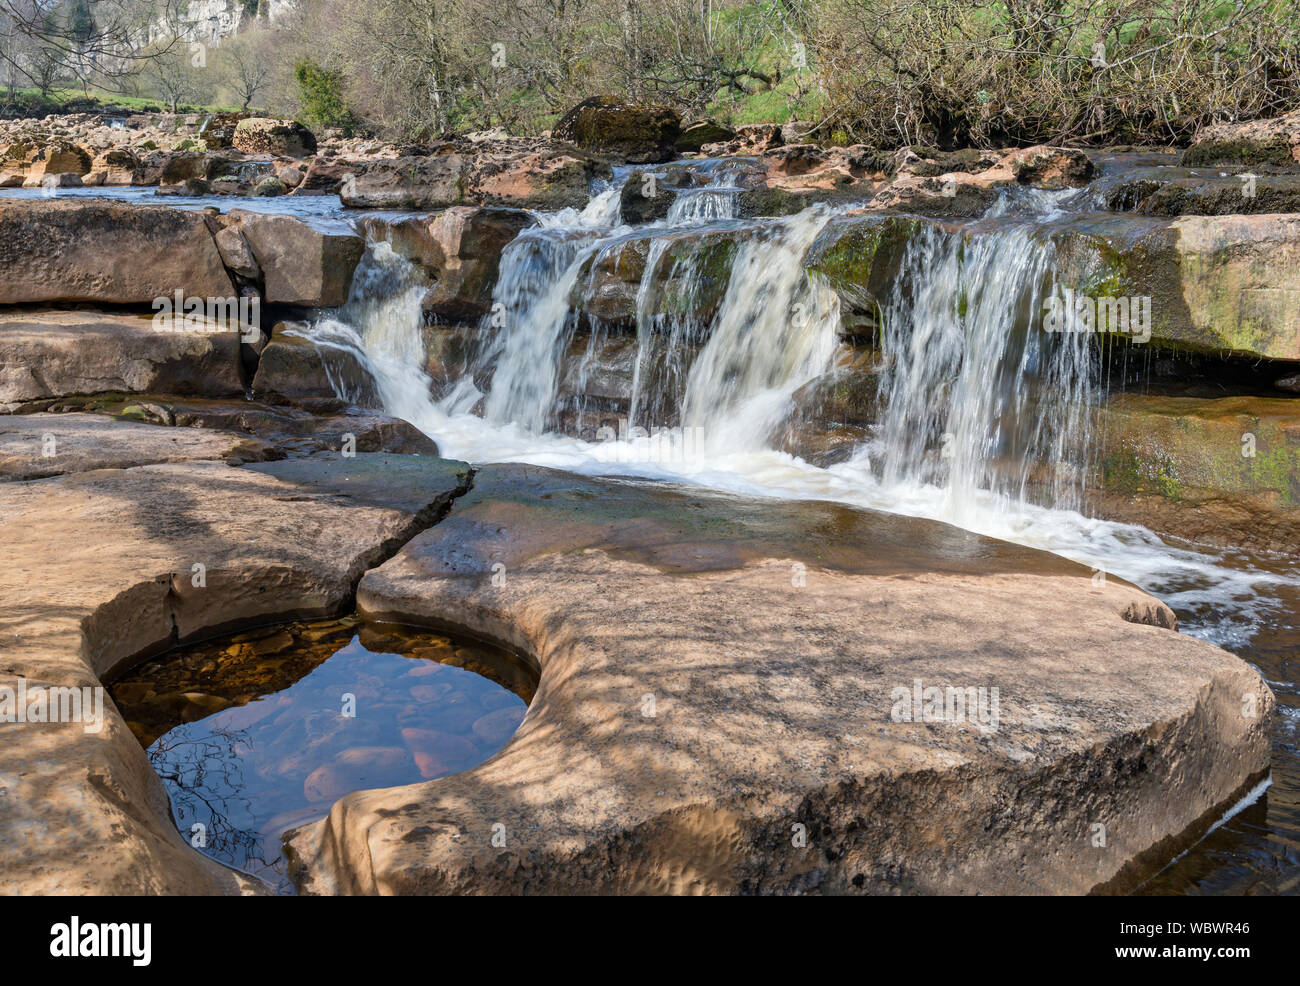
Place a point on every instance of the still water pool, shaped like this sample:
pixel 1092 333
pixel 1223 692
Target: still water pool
pixel 259 733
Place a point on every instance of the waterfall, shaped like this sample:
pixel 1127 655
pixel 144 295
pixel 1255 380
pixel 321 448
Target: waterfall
pixel 776 330
pixel 380 327
pixel 984 420
pixel 531 321
pixel 974 395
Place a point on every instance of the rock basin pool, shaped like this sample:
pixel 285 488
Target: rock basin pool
pixel 255 734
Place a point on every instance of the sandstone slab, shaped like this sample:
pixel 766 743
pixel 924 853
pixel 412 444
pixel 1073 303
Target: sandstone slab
pixel 52 354
pixel 721 705
pixel 98 571
pixel 85 250
pixel 34 446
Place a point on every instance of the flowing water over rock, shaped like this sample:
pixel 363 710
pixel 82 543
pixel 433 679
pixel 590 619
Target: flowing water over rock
pixel 983 420
pixel 262 732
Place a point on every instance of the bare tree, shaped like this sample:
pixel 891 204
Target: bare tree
pixel 246 68
pixel 172 73
pixel 77 39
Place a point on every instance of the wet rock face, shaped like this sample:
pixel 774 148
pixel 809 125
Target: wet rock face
pixel 286 138
pixel 292 368
pixel 93 251
pixel 677 749
pixel 1203 192
pixel 460 248
pixel 611 126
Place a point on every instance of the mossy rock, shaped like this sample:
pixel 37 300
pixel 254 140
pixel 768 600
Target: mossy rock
pixel 609 125
pixel 1181 448
pixel 1241 150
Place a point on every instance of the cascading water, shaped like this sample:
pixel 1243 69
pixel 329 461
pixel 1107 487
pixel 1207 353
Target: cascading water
pixel 975 398
pixel 776 330
pixel 531 319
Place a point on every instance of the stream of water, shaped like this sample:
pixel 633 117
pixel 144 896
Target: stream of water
pixel 973 406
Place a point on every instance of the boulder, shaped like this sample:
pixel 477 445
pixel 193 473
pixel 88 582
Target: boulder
pixel 763 733
pixel 1051 167
pixel 282 138
pixel 757 138
pixel 611 126
pixel 695 135
pixel 641 202
pixel 236 253
pixel 53 354
pixel 180 168
pixel 301 264
pixel 118 166
pixel 88 250
pixel 326 176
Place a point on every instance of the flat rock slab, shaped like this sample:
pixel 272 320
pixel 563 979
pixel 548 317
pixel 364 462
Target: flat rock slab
pixel 97 571
pixel 723 684
pixel 54 354
pixel 91 250
pixel 36 446
pixel 327 425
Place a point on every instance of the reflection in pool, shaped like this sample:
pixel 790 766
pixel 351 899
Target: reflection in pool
pixel 259 733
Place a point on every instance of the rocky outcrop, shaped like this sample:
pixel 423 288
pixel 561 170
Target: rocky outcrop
pixel 299 263
pixel 1219 284
pixel 755 737
pixel 522 174
pixel 284 138
pixel 1222 471
pixel 54 354
pixel 99 569
pixel 611 126
pixel 63 250
pixel 1256 142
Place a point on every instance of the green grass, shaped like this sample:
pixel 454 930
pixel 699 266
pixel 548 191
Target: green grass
pixel 72 100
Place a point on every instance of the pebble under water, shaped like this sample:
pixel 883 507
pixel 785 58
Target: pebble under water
pixel 256 734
